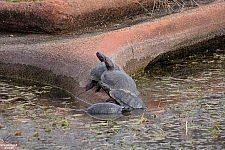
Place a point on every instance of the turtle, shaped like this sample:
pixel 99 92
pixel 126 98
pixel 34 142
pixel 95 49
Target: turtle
pixel 124 97
pixel 96 73
pixel 105 108
pixel 116 79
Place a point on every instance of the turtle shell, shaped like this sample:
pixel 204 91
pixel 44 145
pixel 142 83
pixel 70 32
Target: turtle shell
pixel 127 99
pixel 116 79
pixel 98 70
pixel 104 108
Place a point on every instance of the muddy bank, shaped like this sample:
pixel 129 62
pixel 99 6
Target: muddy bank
pixel 67 62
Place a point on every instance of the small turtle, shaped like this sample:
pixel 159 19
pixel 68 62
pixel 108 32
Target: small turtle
pixel 124 97
pixel 116 79
pixel 105 108
pixel 96 73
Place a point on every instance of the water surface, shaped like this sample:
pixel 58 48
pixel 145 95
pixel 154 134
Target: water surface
pixel 186 110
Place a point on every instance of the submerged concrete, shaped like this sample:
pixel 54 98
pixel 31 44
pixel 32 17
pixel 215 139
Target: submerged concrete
pixel 67 62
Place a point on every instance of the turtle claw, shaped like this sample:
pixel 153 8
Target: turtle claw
pixel 98 89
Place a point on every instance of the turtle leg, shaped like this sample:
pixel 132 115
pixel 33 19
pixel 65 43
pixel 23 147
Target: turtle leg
pixel 98 87
pixel 90 85
pixel 127 109
pixel 103 86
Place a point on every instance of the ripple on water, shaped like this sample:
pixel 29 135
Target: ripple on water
pixel 43 117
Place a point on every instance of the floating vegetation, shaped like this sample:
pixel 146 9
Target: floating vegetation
pixel 195 123
pixel 186 111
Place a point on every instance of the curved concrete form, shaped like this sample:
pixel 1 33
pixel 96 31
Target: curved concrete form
pixel 67 62
pixel 59 16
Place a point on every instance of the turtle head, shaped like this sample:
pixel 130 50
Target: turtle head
pixel 101 57
pixel 104 86
pixel 109 64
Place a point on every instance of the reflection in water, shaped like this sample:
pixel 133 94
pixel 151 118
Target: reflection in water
pixel 43 117
pixel 194 76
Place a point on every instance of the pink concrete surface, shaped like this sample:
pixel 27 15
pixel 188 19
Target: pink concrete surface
pixel 56 16
pixel 131 48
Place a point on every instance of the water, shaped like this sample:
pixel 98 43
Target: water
pixel 197 73
pixel 186 109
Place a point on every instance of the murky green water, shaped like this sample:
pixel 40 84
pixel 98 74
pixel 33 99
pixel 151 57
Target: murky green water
pixel 194 76
pixel 186 110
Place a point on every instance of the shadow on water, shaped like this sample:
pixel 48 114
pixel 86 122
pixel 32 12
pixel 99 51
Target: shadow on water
pixel 185 98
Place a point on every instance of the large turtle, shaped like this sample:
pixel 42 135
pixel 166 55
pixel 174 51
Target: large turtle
pixel 116 79
pixel 96 73
pixel 124 97
pixel 105 108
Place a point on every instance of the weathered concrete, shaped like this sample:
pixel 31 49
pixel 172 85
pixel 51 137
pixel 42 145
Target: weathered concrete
pixel 70 61
pixel 58 16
